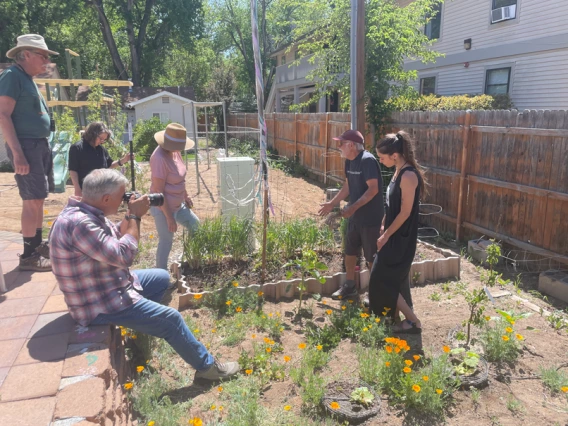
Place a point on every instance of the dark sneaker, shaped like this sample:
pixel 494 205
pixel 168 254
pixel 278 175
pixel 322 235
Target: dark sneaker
pixel 218 371
pixel 43 249
pixel 35 262
pixel 345 292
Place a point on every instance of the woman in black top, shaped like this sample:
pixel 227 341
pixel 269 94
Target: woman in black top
pixel 88 154
pixel 389 289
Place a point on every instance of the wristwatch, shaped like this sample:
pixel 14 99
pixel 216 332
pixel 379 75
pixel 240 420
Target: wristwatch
pixel 132 216
pixel 119 163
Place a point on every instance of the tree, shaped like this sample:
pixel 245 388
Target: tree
pixel 392 34
pixel 151 29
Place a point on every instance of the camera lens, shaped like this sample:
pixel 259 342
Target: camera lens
pixel 156 200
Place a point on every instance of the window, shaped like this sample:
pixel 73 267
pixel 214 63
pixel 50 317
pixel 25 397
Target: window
pixel 432 28
pixel 165 99
pixel 503 3
pixel 283 60
pixel 297 55
pixel 164 116
pixel 503 10
pixel 428 86
pixel 497 81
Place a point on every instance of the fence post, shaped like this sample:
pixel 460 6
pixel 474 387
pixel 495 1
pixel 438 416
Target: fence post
pixel 295 137
pixel 325 151
pixel 463 172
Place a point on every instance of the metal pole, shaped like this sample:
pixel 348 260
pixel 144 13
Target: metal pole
pixel 353 72
pixel 184 125
pixel 225 129
pixel 196 139
pixel 207 138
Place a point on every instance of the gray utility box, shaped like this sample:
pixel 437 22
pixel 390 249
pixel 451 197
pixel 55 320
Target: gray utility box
pixel 554 283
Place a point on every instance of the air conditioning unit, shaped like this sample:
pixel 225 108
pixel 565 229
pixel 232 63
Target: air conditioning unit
pixel 503 13
pixel 236 186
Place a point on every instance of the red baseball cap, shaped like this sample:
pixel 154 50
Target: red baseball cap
pixel 351 136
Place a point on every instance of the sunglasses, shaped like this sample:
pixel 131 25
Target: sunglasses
pixel 44 57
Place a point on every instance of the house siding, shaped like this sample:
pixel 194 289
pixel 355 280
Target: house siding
pixel 144 111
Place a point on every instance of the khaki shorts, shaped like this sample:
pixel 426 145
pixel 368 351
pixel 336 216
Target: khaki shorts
pixel 362 237
pixel 38 182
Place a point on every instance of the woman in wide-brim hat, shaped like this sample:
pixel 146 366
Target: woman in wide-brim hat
pixel 168 177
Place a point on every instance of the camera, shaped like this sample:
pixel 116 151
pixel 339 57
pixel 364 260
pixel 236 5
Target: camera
pixel 156 200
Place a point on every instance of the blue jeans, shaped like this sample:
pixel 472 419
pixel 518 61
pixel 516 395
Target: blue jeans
pixel 185 217
pixel 148 316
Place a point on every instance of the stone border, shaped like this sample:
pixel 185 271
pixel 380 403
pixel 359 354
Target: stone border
pixel 430 270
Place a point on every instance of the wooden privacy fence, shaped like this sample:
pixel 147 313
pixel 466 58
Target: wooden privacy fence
pixel 503 174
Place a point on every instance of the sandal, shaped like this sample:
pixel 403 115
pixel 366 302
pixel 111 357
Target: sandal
pixel 412 330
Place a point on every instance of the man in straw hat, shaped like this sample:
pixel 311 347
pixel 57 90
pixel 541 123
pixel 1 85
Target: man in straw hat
pixel 26 125
pixel 91 257
pixel 365 211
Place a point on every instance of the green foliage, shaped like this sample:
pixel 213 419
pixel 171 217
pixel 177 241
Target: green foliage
pixel 309 265
pixel 362 396
pixel 465 362
pixel 232 300
pixel 327 336
pixel 261 362
pixel 415 102
pixel 144 142
pixel 554 379
pixel 307 376
pixel 500 342
pixel 238 232
pixel 475 300
pixel 392 34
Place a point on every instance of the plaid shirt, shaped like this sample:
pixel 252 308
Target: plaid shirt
pixel 90 259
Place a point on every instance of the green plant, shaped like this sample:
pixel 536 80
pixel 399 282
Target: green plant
pixel 465 362
pixel 232 300
pixel 307 376
pixel 415 102
pixel 475 395
pixel 475 300
pixel 493 251
pixel 416 277
pixel 557 320
pixel 144 143
pixel 308 265
pixel 261 362
pixel 436 297
pixel 514 405
pixel 554 379
pixel 500 342
pixel 327 336
pixel 362 396
pixel 238 233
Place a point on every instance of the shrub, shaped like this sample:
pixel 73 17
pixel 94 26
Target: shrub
pixel 450 103
pixel 500 342
pixel 144 143
pixel 554 379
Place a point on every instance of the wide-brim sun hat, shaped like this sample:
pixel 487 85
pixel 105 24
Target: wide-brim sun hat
pixel 174 138
pixel 29 41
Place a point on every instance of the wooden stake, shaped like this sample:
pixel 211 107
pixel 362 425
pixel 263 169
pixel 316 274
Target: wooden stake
pixel 463 172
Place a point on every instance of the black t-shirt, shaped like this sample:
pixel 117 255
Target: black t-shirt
pixel 83 159
pixel 358 172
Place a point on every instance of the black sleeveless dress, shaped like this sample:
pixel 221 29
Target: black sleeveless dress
pixel 389 275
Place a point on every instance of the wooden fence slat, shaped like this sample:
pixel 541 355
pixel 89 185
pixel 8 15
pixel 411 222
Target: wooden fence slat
pixel 521 131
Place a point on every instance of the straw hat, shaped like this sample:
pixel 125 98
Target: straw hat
pixel 29 41
pixel 174 138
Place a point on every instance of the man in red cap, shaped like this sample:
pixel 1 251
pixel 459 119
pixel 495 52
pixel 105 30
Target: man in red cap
pixel 365 210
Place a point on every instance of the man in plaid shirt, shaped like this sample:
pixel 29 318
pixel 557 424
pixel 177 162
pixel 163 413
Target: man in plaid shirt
pixel 91 256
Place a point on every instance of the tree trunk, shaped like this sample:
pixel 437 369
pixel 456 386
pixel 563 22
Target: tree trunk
pixel 119 68
pixel 134 52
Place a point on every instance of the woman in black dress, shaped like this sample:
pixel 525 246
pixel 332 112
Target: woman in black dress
pixel 389 288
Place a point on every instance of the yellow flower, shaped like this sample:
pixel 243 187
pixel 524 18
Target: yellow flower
pixel 511 322
pixel 228 302
pixel 197 296
pixel 384 313
pixel 519 337
pixel 397 349
pixel 386 309
pixel 425 378
pixel 140 368
pixel 253 336
pixel 377 320
pixel 128 385
pixel 334 405
pixel 287 358
pixel 196 331
pixel 260 293
pixel 416 388
pixel 407 370
pixel 134 336
pixel 340 297
pixel 151 236
pixel 365 329
pixel 487 318
pixel 416 357
pixel 151 423
pixel 287 407
pixel 564 389
pixel 364 315
pixel 249 371
pixel 239 309
pixel 350 301
pixel 235 284
pixel 446 349
pixel 319 347
pixel 328 312
pixel 45 212
pixel 509 330
pixel 270 315
pixel 220 408
pixel 268 350
pixel 343 307
pixel 49 224
pixel 408 362
pixel 302 346
pixel 123 332
pixel 266 340
pixel 439 391
pixel 147 361
pixel 213 330
pixel 324 302
pixel 505 338
pixel 220 388
pixel 196 421
pixel 388 364
pixel 388 349
pixel 213 407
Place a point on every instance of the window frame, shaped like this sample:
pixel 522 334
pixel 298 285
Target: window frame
pixel 429 24
pixel 162 114
pixel 511 21
pixel 165 99
pixel 502 67
pixel 421 86
pixel 283 60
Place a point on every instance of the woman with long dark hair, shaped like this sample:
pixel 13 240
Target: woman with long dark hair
pixel 389 288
